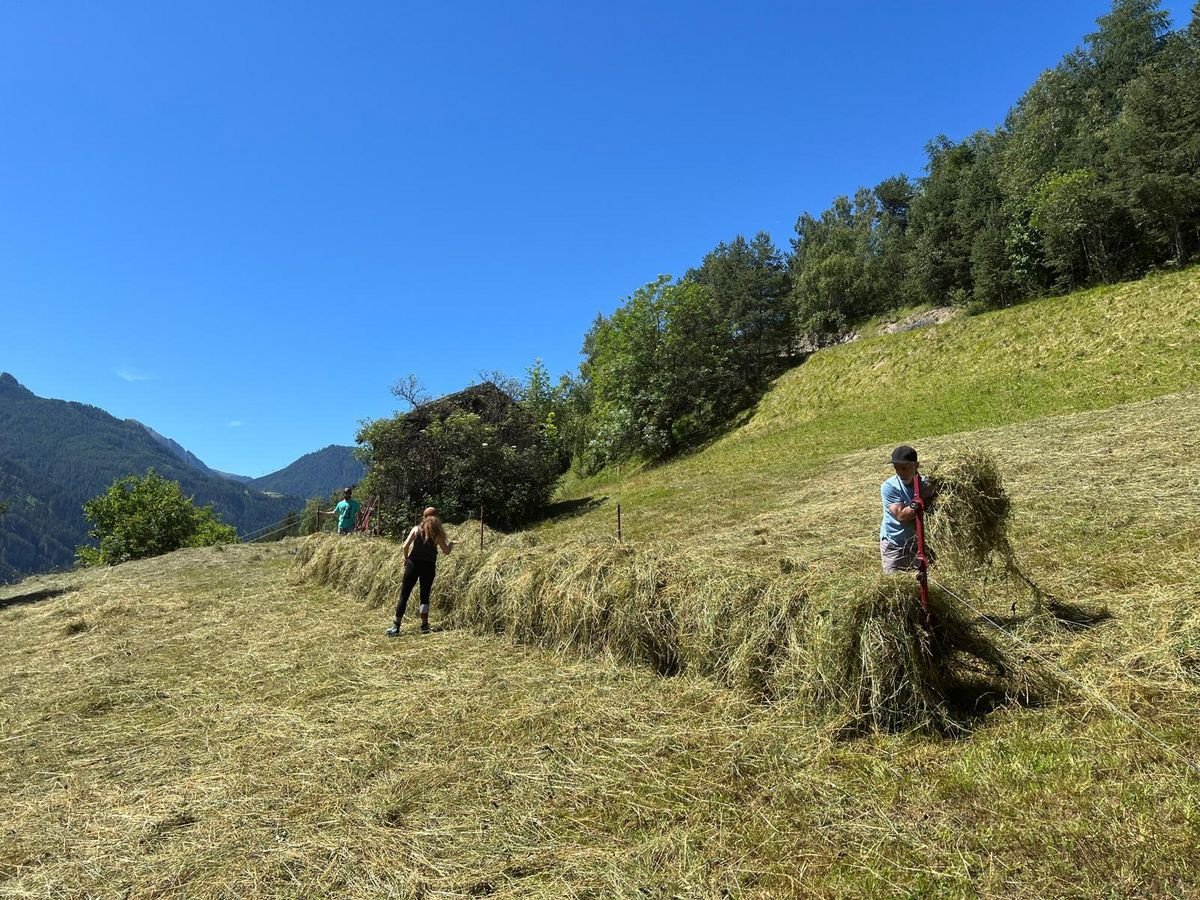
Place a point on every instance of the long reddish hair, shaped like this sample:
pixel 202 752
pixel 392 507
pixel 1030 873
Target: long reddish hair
pixel 431 526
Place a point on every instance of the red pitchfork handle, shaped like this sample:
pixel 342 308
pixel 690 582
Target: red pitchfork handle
pixel 922 561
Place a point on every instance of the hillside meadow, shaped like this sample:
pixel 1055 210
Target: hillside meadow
pixel 231 721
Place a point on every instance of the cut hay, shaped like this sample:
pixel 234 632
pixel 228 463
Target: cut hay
pixel 876 666
pixel 968 520
pixel 870 659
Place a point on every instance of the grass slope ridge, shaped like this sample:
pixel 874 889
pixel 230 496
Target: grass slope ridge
pixel 1085 351
pixel 206 724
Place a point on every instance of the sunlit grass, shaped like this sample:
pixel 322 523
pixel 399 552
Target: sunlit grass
pixel 208 725
pixel 1086 351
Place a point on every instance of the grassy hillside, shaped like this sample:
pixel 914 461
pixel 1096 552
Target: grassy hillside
pixel 210 724
pixel 1086 351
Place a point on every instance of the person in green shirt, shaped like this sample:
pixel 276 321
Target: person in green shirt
pixel 346 511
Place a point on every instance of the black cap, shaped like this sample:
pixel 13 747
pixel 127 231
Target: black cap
pixel 904 454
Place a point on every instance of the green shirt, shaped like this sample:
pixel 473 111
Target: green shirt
pixel 347 513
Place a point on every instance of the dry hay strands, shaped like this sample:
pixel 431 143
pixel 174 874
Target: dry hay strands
pixel 585 597
pixel 744 628
pixel 969 517
pixel 967 527
pixel 668 611
pixel 369 568
pixel 875 666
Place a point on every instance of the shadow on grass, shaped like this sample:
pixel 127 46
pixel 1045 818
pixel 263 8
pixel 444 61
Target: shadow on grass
pixel 570 509
pixel 33 597
pixel 1066 615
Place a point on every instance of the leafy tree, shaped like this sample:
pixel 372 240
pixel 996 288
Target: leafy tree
pixel 1084 228
pixel 549 405
pixel 478 447
pixel 664 372
pixel 940 264
pixel 1155 144
pixel 622 357
pixel 138 517
pixel 850 263
pixel 1128 37
pixel 892 242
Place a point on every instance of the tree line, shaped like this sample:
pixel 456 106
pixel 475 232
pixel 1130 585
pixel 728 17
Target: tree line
pixel 1093 177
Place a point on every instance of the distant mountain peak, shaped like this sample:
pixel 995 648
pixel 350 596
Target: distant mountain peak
pixel 316 474
pixel 8 382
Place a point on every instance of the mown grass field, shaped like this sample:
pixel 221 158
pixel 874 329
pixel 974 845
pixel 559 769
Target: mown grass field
pixel 208 724
pixel 1086 351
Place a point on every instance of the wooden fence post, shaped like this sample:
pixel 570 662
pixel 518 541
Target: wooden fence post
pixel 618 522
pixel 481 528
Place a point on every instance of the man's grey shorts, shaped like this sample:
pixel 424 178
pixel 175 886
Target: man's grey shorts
pixel 898 558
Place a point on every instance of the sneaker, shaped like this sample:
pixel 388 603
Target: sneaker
pixel 394 631
pixel 425 628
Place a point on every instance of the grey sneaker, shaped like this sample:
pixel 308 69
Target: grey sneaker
pixel 394 631
pixel 425 628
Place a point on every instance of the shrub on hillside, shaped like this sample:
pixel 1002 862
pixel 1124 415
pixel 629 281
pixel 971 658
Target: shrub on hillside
pixel 476 448
pixel 146 516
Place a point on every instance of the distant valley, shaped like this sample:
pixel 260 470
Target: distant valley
pixel 55 455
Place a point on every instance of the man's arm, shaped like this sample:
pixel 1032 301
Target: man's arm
pixel 896 504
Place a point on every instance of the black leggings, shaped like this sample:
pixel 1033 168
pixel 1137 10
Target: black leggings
pixel 414 569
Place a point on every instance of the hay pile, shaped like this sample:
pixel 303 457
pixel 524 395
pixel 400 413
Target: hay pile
pixel 874 664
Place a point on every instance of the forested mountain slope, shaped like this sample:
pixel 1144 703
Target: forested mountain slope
pixel 316 474
pixel 55 455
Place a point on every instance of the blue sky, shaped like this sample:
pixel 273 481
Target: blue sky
pixel 240 223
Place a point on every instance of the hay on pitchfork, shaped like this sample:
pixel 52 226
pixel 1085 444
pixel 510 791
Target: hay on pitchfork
pixel 968 520
pixel 967 526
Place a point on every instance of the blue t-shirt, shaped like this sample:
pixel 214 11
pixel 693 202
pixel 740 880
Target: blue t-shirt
pixel 347 512
pixel 892 529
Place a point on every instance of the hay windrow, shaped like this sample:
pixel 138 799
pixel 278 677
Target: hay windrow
pixel 866 659
pixel 876 666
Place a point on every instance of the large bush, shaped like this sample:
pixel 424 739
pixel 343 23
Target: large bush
pixel 147 516
pixel 477 448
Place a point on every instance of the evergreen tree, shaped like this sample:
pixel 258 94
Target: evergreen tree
pixel 749 281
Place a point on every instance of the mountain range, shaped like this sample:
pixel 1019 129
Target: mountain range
pixel 55 455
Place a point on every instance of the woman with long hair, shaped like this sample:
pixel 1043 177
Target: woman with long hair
pixel 420 564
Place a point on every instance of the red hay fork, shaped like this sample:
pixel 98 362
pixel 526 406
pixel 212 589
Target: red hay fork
pixel 922 560
pixel 364 516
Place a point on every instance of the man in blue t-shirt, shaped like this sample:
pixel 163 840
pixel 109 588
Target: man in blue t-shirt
pixel 346 511
pixel 898 531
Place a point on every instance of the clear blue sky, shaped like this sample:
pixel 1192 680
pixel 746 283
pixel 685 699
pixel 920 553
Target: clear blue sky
pixel 241 222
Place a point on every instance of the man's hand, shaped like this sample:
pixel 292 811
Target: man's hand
pixel 917 506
